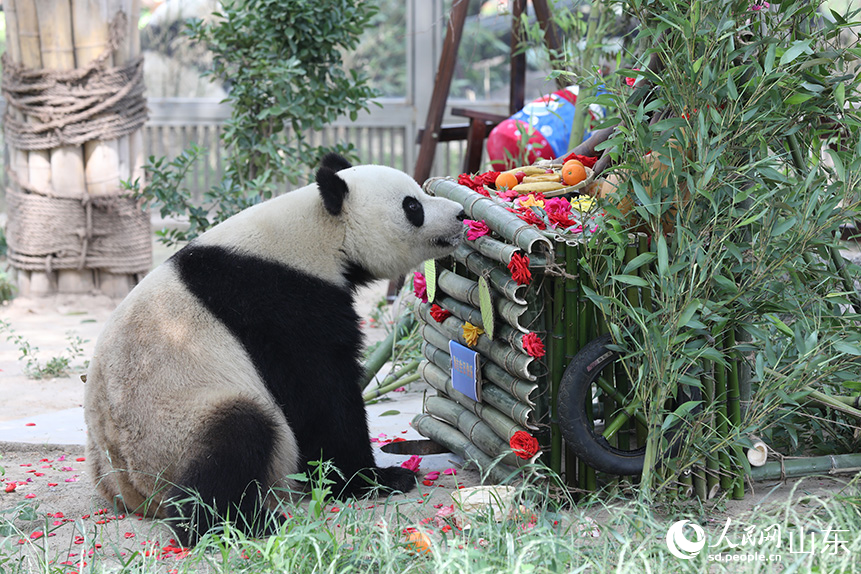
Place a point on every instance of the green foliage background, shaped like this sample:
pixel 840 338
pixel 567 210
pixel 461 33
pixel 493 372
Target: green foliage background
pixel 753 116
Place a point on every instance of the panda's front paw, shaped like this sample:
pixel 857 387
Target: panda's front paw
pixel 397 478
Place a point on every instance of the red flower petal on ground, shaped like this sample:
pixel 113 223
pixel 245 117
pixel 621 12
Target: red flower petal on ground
pixel 524 445
pixel 30 425
pixel 533 345
pixel 519 267
pixel 439 314
pixel 412 463
pixel 450 471
pixel 31 495
pixel 427 482
pixel 476 229
pixel 10 487
pixel 420 287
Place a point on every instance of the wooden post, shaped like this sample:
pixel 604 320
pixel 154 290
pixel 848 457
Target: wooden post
pixel 67 162
pixel 73 39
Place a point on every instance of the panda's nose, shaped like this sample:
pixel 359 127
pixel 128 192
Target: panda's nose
pixel 461 216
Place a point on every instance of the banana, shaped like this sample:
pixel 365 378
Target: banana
pixel 539 186
pixel 543 177
pixel 528 170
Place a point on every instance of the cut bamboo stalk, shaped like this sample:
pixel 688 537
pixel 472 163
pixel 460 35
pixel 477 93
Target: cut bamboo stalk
pixel 503 355
pixel 465 312
pixel 502 221
pixel 383 352
pixel 67 162
pixel 522 391
pixel 496 250
pixel 10 12
pixel 38 163
pixel 473 428
pixel 796 467
pixel 503 426
pixel 734 413
pixel 466 290
pixel 554 309
pixel 492 394
pixel 572 288
pixel 90 23
pixel 448 436
pixel 482 266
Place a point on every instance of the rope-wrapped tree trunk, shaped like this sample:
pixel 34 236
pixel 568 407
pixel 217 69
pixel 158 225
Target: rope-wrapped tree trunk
pixel 73 84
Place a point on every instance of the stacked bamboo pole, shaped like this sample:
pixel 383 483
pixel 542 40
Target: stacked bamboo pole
pixel 67 36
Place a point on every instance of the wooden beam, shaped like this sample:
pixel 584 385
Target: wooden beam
pixel 442 85
pixel 517 82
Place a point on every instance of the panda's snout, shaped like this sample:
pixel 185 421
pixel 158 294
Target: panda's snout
pixel 461 216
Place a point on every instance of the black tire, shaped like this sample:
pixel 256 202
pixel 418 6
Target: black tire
pixel 575 392
pixel 578 430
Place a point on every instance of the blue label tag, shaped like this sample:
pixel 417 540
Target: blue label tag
pixel 465 370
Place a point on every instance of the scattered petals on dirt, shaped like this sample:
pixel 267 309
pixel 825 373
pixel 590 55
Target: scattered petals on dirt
pixel 412 463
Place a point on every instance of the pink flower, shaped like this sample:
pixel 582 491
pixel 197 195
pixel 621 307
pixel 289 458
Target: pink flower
pixel 508 195
pixel 420 287
pixel 533 345
pixel 558 210
pixel 433 475
pixel 476 229
pixel 757 6
pixel 412 463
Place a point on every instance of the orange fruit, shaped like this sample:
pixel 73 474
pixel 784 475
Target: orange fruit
pixel 506 180
pixel 573 172
pixel 419 542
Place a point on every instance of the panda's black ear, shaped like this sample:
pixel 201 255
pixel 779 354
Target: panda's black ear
pixel 333 189
pixel 335 162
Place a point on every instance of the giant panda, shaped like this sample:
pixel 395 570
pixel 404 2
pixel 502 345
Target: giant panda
pixel 237 361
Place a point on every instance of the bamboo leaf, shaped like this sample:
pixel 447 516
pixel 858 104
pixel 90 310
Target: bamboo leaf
pixel 840 95
pixel 794 51
pixel 390 413
pixel 838 163
pixel 688 313
pixel 663 256
pixel 847 348
pixel 630 280
pixel 639 261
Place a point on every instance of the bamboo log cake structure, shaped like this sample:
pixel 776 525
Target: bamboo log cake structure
pixel 73 84
pixel 477 289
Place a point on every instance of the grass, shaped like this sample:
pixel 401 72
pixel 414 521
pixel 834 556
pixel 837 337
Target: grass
pixel 548 533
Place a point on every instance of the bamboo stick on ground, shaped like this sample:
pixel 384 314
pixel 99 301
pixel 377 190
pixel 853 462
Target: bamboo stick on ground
pixel 384 350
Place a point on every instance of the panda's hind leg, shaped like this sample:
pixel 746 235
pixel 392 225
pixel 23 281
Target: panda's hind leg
pixel 225 477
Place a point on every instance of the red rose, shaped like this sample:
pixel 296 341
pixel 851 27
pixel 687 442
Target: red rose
pixel 586 160
pixel 528 216
pixel 476 229
pixel 524 445
pixel 533 345
pixel 438 313
pixel 420 287
pixel 519 267
pixel 477 182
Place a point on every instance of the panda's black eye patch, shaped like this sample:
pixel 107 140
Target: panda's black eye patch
pixel 414 211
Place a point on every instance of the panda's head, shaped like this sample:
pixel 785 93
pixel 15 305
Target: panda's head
pixel 391 225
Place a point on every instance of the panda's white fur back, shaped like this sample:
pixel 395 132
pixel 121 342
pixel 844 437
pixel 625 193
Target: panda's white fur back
pixel 237 361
